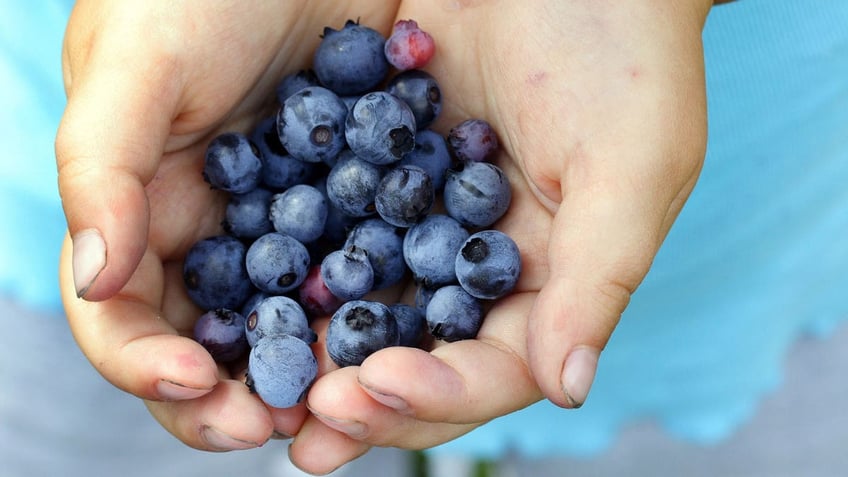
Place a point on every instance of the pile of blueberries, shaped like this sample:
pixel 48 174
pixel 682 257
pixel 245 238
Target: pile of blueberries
pixel 342 192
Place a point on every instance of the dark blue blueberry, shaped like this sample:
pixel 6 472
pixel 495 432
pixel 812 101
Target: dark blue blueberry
pixel 453 314
pixel 221 332
pixel 246 215
pixel 473 140
pixel 214 273
pixel 412 325
pixel 311 124
pixel 277 263
pixel 352 185
pixel 252 301
pixel 300 211
pixel 232 163
pixel 351 60
pixel 338 223
pixel 277 315
pixel 358 329
pixel 405 196
pixel 421 92
pixel 279 169
pixel 280 369
pixel 294 82
pixel 423 294
pixel 477 194
pixel 431 154
pixel 488 264
pixel 383 243
pixel 347 273
pixel 430 248
pixel 380 128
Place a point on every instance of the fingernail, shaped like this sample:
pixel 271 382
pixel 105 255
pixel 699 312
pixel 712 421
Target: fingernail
pixel 89 258
pixel 578 374
pixel 354 429
pixel 280 436
pixel 173 391
pixel 388 400
pixel 219 441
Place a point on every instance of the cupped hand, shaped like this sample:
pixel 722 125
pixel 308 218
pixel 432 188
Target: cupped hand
pixel 148 85
pixel 601 115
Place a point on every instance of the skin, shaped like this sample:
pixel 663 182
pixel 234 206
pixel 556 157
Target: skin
pixel 602 147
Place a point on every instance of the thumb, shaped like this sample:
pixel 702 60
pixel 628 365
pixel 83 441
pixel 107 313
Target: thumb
pixel 108 147
pixel 601 247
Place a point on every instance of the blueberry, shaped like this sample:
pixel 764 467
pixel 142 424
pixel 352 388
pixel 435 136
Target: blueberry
pixel 277 263
pixel 316 299
pixel 423 295
pixel 420 91
pixel 311 124
pixel 405 196
pixel 294 82
pixel 431 154
pixel 383 243
pixel 473 140
pixel 277 315
pixel 338 223
pixel 347 273
pixel 214 273
pixel 246 215
pixel 300 211
pixel 380 128
pixel 453 314
pixel 488 264
pixel 358 329
pixel 477 194
pixel 221 332
pixel 232 163
pixel 352 185
pixel 281 369
pixel 430 248
pixel 409 46
pixel 279 169
pixel 252 301
pixel 351 60
pixel 411 322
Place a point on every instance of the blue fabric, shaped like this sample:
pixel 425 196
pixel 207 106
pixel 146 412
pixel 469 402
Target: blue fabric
pixel 757 257
pixel 32 101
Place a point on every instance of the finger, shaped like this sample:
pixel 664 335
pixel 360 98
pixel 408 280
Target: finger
pixel 130 342
pixel 341 404
pixel 228 418
pixel 319 450
pixel 462 382
pixel 602 245
pixel 108 146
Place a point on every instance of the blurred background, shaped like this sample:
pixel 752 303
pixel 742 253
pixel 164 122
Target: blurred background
pixel 721 410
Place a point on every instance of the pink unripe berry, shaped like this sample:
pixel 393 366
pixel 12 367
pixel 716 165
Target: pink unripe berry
pixel 409 47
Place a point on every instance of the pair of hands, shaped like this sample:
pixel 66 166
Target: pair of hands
pixel 601 115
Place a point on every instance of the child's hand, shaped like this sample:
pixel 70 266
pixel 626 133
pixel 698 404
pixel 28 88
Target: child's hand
pixel 149 84
pixel 601 115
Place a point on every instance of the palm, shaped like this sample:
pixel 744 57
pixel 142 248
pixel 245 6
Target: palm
pixel 567 99
pixel 581 107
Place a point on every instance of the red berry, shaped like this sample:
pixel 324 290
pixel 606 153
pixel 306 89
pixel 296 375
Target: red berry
pixel 409 47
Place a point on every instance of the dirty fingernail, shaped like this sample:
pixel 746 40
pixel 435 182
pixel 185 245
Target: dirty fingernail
pixel 578 374
pixel 89 259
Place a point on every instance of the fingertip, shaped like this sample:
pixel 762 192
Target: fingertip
pixel 319 450
pixel 567 331
pixel 578 374
pixel 109 224
pixel 225 419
